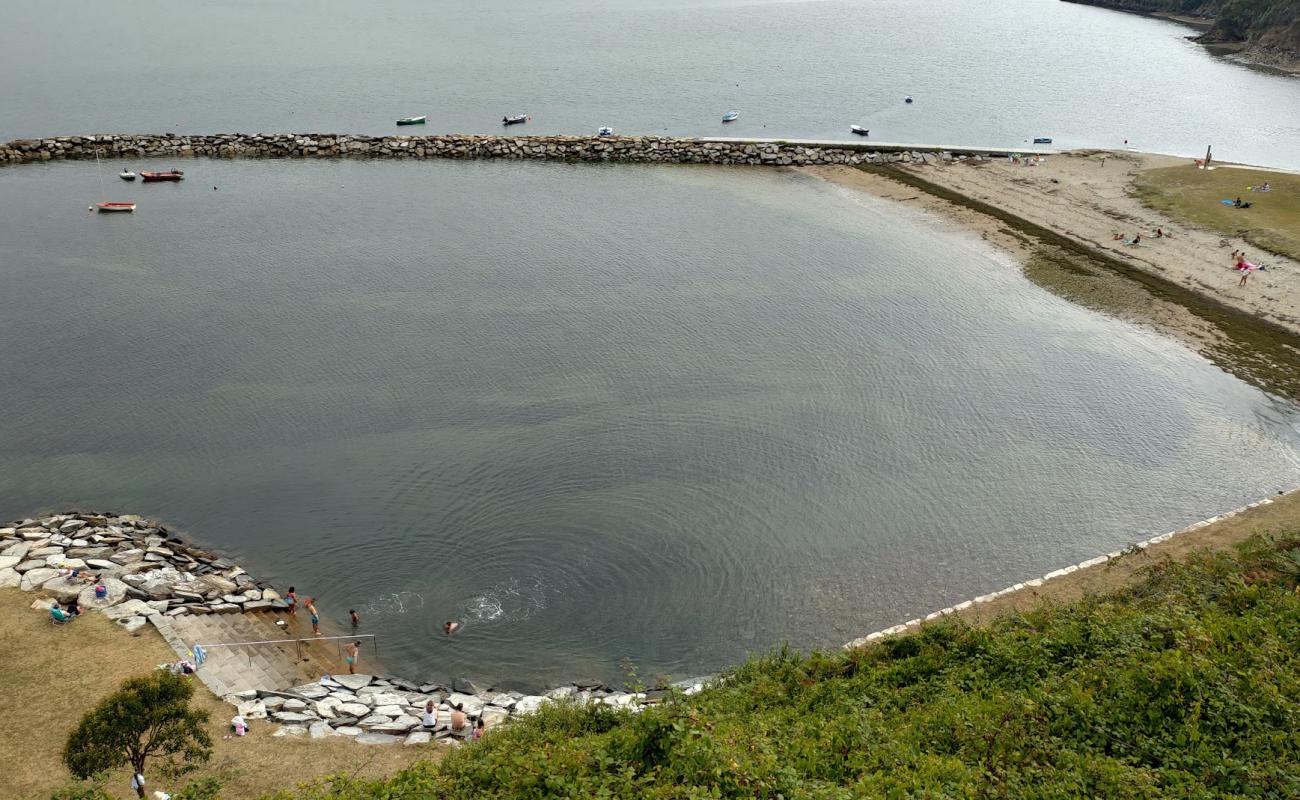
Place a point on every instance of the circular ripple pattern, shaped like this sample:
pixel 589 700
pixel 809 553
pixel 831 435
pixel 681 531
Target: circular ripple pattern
pixel 672 415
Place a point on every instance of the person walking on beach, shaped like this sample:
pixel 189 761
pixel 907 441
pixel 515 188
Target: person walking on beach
pixel 353 651
pixel 450 627
pixel 315 618
pixel 1245 273
pixel 291 597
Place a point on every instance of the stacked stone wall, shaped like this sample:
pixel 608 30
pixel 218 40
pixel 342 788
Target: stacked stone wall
pixel 625 149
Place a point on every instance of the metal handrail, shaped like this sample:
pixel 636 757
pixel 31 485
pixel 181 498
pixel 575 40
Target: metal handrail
pixel 298 643
pixel 285 641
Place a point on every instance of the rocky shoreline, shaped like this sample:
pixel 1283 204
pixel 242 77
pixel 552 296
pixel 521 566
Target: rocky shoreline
pixel 625 149
pixel 149 575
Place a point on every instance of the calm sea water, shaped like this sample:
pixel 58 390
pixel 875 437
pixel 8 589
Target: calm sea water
pixel 982 73
pixel 664 413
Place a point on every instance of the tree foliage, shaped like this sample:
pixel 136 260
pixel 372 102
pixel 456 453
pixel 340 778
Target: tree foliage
pixel 148 717
pixel 1186 685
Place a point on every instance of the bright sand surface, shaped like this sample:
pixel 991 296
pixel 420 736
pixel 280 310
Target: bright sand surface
pixel 1085 197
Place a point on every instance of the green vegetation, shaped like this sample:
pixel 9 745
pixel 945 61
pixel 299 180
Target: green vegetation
pixel 1273 24
pixel 1271 223
pixel 149 716
pixel 1185 685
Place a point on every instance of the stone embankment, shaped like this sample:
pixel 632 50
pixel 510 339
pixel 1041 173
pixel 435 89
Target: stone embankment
pixel 387 710
pixel 143 568
pixel 626 149
pixel 149 576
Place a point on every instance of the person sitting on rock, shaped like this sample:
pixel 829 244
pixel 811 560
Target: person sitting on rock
pixel 480 727
pixel 458 719
pixel 429 720
pixel 60 615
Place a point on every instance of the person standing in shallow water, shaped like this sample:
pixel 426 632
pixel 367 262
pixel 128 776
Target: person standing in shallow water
pixel 291 597
pixel 352 615
pixel 353 651
pixel 315 618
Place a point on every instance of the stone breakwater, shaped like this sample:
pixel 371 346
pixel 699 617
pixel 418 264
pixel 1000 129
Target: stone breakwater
pixel 144 569
pixel 387 710
pixel 150 576
pixel 626 149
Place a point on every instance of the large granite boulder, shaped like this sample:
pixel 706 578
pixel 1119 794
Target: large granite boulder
pixel 34 578
pixel 115 592
pixel 353 682
pixel 65 589
pixel 128 608
pixel 9 562
pixel 9 577
pixel 17 549
pixel 292 718
pixel 467 686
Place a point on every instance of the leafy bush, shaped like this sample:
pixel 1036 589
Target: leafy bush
pixel 1186 685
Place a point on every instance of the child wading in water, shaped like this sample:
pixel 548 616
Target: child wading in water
pixel 315 618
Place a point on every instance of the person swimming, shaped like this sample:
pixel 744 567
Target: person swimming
pixel 450 627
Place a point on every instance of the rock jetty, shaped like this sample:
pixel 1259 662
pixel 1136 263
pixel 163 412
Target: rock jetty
pixel 625 149
pixel 387 710
pixel 144 569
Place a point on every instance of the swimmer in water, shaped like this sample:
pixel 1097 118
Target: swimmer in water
pixel 450 627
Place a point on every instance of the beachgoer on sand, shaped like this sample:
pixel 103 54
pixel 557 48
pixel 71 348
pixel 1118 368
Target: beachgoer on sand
pixel 315 618
pixel 353 651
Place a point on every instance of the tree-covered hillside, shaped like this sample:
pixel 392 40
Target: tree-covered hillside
pixel 1265 24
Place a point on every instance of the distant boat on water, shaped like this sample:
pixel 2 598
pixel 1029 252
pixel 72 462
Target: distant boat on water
pixel 731 116
pixel 156 177
pixel 411 120
pixel 907 99
pixel 605 132
pixel 859 130
pixel 115 208
pixel 126 175
pixel 517 119
pixel 1043 140
pixel 106 207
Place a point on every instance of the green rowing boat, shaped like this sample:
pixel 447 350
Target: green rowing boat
pixel 411 121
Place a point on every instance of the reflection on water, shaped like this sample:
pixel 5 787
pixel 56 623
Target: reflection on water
pixel 668 414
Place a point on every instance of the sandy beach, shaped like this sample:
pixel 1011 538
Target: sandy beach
pixel 1084 196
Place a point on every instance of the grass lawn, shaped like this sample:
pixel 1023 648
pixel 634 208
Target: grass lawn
pixel 1192 195
pixel 52 676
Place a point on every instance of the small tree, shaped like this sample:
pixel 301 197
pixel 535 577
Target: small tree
pixel 147 716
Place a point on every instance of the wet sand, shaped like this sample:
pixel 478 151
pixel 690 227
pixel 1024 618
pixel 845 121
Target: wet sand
pixel 1059 219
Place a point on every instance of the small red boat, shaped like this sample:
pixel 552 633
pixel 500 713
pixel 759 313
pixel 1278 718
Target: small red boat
pixel 109 208
pixel 169 175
